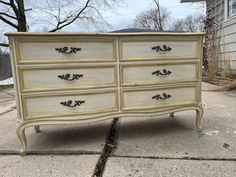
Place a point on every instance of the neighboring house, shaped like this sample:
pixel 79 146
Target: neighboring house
pixel 5 66
pixel 223 12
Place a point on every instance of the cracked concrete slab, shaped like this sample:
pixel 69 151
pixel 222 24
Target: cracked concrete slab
pixel 7 100
pixel 139 167
pixel 88 138
pixel 44 166
pixel 7 95
pixel 7 106
pixel 177 138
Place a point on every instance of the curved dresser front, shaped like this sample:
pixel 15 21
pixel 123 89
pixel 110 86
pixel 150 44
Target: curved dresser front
pixel 71 78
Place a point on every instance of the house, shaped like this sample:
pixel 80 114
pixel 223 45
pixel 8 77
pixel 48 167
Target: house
pixel 5 66
pixel 223 14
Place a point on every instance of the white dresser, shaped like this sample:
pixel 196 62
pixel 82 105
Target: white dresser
pixel 74 78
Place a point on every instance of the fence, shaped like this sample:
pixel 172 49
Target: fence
pixel 5 67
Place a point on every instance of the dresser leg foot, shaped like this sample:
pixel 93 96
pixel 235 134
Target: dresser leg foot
pixel 21 135
pixel 37 129
pixel 22 152
pixel 172 114
pixel 199 115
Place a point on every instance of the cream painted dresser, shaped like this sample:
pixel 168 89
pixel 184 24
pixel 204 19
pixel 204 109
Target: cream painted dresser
pixel 72 78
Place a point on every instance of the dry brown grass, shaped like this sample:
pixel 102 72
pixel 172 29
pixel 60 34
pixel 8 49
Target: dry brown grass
pixel 227 86
pixel 221 77
pixel 224 83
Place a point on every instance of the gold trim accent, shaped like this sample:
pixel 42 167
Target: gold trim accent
pixel 25 111
pixel 64 40
pixel 156 88
pixel 22 85
pixel 10 43
pixel 199 96
pixel 15 77
pixel 124 65
pixel 157 39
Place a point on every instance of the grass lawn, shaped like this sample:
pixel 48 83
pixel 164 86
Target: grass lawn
pixel 3 87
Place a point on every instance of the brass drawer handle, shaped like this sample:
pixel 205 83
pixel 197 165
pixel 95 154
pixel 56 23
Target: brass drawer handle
pixel 67 76
pixel 164 96
pixel 70 103
pixel 164 72
pixel 163 48
pixel 68 50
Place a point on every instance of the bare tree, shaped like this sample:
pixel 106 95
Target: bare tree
pixel 14 14
pixel 154 19
pixel 192 23
pixel 52 15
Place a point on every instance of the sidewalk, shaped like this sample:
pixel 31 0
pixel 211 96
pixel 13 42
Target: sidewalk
pixel 157 146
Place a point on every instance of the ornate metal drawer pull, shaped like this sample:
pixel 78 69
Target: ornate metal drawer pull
pixel 67 76
pixel 68 50
pixel 164 96
pixel 162 73
pixel 70 103
pixel 164 48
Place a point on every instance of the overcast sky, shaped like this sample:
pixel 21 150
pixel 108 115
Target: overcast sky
pixel 124 15
pixel 131 8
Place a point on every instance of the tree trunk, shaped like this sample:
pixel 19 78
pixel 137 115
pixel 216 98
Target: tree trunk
pixel 21 18
pixel 22 27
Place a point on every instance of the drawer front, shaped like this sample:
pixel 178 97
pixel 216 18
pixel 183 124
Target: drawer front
pixel 155 49
pixel 43 79
pixel 156 98
pixel 64 50
pixel 69 104
pixel 145 74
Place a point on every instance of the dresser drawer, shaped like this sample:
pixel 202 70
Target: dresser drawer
pixel 59 78
pixel 53 105
pixel 50 50
pixel 158 48
pixel 151 98
pixel 156 73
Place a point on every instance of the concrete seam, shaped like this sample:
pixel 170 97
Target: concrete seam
pixel 175 158
pixel 108 149
pixel 7 93
pixel 51 153
pixel 7 111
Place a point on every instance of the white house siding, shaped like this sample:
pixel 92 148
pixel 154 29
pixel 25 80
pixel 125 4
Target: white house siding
pixel 226 33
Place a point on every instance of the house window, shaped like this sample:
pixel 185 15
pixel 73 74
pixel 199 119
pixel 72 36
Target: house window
pixel 231 8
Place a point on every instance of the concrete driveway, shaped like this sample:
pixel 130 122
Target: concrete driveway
pixel 144 147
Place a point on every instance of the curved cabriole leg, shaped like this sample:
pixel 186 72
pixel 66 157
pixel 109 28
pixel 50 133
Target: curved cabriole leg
pixel 172 114
pixel 20 131
pixel 37 129
pixel 199 114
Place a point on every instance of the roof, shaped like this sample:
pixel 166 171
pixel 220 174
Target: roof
pixel 133 30
pixel 139 30
pixel 183 1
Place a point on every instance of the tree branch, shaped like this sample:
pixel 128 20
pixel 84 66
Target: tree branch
pixel 8 22
pixel 6 3
pixel 4 45
pixel 12 4
pixel 30 9
pixel 10 16
pixel 66 24
pixel 159 14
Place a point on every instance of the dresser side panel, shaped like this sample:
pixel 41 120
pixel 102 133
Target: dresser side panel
pixel 15 74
